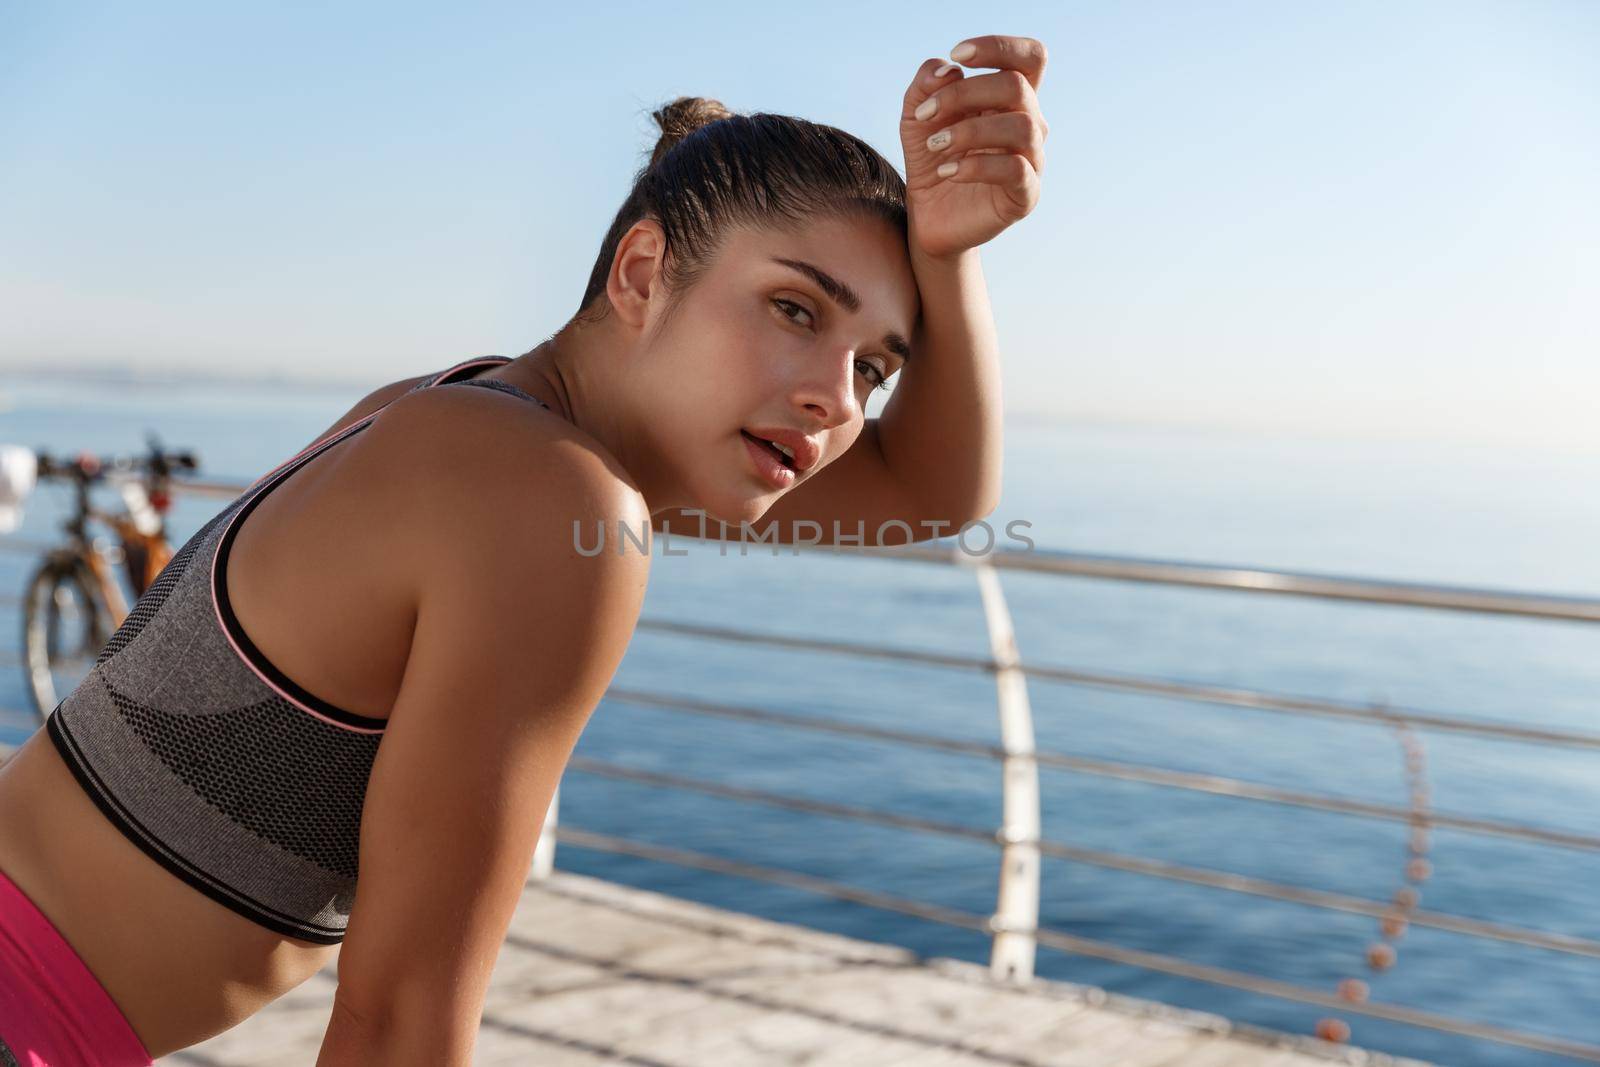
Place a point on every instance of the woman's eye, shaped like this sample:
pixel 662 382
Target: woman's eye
pixel 868 369
pixel 784 305
pixel 876 376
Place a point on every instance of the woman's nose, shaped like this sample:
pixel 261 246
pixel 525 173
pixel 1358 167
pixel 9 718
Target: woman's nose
pixel 826 389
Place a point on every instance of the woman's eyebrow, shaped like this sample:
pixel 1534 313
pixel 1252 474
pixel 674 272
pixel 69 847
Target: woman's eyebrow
pixel 845 297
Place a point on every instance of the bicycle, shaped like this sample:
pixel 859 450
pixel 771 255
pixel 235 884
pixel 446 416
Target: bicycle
pixel 73 602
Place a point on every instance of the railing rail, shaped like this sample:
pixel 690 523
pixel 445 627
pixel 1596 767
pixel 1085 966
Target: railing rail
pixel 1473 599
pixel 1236 883
pixel 1013 927
pixel 1217 785
pixel 1200 693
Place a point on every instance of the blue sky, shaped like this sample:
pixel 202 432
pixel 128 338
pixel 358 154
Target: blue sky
pixel 1370 219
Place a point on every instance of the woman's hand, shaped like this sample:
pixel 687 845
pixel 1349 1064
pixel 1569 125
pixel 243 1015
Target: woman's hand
pixel 993 133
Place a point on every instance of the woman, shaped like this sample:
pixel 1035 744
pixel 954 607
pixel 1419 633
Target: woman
pixel 180 844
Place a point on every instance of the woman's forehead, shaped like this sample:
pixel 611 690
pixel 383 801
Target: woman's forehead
pixel 823 235
pixel 856 263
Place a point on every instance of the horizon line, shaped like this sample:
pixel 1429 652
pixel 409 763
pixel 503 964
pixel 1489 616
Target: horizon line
pixel 159 377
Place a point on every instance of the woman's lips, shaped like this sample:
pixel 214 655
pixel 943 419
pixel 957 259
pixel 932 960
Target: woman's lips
pixel 768 465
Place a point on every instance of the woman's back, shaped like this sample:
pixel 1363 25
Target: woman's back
pixel 224 741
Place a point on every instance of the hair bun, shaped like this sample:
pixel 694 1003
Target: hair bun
pixel 682 117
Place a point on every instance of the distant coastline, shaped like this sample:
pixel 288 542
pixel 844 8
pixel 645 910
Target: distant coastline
pixel 161 379
pixel 167 377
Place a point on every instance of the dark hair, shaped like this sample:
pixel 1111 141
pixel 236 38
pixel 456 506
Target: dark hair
pixel 712 169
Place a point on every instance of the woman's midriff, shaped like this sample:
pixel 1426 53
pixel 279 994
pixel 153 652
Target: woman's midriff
pixel 179 965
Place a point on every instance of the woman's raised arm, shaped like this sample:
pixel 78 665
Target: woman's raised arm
pixel 974 150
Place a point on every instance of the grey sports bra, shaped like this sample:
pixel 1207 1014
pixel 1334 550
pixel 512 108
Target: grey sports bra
pixel 212 760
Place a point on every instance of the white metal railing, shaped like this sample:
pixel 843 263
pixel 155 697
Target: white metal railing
pixel 1013 925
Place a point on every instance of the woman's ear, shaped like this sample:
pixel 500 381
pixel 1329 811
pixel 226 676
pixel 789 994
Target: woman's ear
pixel 636 270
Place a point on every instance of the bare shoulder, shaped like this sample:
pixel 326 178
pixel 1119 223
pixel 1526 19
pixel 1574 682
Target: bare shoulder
pixel 475 469
pixel 368 404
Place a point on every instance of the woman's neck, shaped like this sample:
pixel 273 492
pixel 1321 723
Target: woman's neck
pixel 570 372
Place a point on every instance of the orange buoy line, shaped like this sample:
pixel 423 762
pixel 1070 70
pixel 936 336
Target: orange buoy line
pixel 1382 954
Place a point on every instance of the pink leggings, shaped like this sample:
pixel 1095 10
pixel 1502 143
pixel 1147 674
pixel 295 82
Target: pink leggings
pixel 53 1011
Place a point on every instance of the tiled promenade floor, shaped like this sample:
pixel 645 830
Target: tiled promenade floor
pixel 595 973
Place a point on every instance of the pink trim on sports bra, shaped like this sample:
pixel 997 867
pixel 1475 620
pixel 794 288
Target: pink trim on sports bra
pixel 348 720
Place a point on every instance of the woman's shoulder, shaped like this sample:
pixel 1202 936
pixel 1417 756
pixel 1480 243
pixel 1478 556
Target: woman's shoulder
pixel 474 460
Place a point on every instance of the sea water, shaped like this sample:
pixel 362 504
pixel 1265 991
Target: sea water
pixel 1412 511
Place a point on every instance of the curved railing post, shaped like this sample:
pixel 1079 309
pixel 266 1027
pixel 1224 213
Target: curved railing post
pixel 544 853
pixel 1016 913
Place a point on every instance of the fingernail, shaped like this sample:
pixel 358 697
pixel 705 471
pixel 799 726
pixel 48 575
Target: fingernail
pixel 944 68
pixel 947 169
pixel 939 140
pixel 963 51
pixel 926 109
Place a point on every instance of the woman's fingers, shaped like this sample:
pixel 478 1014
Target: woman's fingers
pixel 1012 132
pixel 1011 173
pixel 1025 55
pixel 925 83
pixel 1004 90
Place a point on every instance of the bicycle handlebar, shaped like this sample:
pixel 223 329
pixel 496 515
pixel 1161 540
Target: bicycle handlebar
pixel 86 467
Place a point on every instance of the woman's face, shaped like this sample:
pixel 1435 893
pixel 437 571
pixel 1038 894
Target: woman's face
pixel 758 343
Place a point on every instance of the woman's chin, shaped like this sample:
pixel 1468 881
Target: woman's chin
pixel 734 510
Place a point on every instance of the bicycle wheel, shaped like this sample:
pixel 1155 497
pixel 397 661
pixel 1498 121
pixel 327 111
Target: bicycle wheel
pixel 64 626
